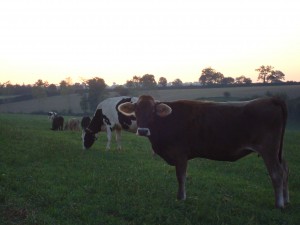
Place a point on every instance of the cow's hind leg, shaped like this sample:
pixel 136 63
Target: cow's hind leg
pixel 285 182
pixel 181 177
pixel 108 133
pixel 276 173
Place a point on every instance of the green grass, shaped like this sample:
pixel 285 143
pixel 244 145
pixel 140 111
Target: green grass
pixel 46 178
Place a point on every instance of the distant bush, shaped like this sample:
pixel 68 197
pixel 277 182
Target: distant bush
pixel 281 95
pixel 227 94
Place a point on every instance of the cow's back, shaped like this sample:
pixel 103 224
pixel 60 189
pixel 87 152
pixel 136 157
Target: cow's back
pixel 214 130
pixel 111 115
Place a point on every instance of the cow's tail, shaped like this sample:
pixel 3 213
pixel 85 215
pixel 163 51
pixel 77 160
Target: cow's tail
pixel 283 107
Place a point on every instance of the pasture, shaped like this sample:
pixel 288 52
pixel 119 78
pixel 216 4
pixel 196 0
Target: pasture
pixel 70 104
pixel 46 178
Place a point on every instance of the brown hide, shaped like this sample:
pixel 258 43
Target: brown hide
pixel 73 124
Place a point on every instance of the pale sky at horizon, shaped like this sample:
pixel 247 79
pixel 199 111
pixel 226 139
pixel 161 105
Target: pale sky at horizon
pixel 116 39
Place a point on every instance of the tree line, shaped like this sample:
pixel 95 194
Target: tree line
pixel 209 76
pixel 93 90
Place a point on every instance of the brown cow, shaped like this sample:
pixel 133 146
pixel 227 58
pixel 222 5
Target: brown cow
pixel 57 121
pixel 73 124
pixel 183 130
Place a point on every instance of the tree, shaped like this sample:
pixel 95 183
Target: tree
pixel 121 90
pixel 177 83
pixel 162 81
pixel 276 76
pixel 84 103
pixel 148 81
pixel 268 75
pixel 66 87
pixel 7 88
pixel 264 72
pixel 206 74
pixel 39 89
pixel 52 90
pixel 243 80
pixel 41 83
pixel 217 78
pixel 210 76
pixel 134 82
pixel 227 80
pixel 95 92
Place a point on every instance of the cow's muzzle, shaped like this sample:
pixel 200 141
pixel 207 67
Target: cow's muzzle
pixel 143 132
pixel 88 138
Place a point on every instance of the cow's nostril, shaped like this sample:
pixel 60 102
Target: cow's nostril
pixel 143 132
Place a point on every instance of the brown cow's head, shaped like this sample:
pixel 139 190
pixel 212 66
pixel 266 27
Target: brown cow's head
pixel 145 110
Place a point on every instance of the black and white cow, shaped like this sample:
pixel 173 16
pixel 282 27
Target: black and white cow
pixel 107 117
pixel 51 115
pixel 57 121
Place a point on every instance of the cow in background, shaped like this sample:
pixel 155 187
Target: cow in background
pixel 51 115
pixel 108 118
pixel 183 130
pixel 57 121
pixel 73 124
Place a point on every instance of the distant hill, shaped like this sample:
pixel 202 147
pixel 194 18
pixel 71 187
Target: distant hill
pixel 292 91
pixel 67 103
pixel 70 104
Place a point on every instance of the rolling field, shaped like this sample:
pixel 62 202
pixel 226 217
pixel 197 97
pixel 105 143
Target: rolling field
pixel 46 178
pixel 68 104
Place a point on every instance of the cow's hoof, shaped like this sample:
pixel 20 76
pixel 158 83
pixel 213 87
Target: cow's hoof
pixel 181 197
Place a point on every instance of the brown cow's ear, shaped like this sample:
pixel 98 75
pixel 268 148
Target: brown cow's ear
pixel 163 110
pixel 127 109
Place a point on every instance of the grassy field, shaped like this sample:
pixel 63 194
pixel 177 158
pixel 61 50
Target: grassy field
pixel 46 178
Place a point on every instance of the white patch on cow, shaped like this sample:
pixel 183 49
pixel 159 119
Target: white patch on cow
pixel 51 115
pixel 279 197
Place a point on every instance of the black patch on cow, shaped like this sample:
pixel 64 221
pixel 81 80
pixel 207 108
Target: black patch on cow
pixel 125 121
pixel 57 123
pixel 85 122
pixel 96 122
pixel 93 128
pixel 89 139
pixel 106 120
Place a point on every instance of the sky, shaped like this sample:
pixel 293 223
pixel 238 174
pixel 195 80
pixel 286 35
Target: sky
pixel 116 39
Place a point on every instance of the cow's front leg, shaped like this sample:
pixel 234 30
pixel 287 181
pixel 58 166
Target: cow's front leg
pixel 118 138
pixel 181 177
pixel 108 133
